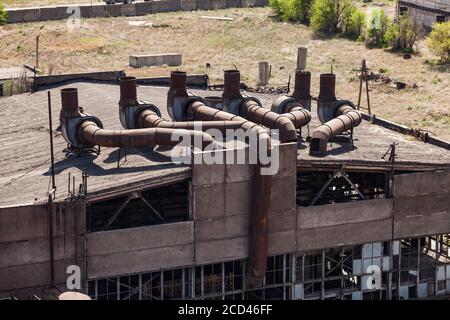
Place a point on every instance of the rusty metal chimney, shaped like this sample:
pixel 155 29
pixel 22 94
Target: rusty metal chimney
pixel 327 87
pixel 232 85
pixel 69 103
pixel 302 87
pixel 128 93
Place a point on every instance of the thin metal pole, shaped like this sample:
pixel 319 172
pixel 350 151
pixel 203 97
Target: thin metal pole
pixel 51 139
pixel 50 229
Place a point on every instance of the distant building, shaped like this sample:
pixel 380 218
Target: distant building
pixel 427 12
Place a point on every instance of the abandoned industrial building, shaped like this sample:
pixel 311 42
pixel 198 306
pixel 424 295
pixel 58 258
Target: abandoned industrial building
pixel 425 12
pixel 358 208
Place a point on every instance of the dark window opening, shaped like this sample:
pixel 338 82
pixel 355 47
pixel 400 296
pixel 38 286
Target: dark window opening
pixel 440 19
pixel 324 187
pixel 166 204
pixel 403 10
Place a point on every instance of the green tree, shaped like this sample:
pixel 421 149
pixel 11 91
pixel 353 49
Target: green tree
pixel 355 24
pixel 3 15
pixel 328 16
pixel 292 10
pixel 439 40
pixel 376 28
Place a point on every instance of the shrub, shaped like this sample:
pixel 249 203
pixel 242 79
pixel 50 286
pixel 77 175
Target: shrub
pixel 439 40
pixel 377 26
pixel 328 16
pixel 355 23
pixel 3 15
pixel 403 34
pixel 292 10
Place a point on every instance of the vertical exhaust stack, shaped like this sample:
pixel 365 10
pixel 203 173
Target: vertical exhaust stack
pixel 129 105
pixel 302 88
pixel 232 96
pixel 336 115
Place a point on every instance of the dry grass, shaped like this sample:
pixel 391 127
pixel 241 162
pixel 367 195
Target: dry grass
pixel 105 44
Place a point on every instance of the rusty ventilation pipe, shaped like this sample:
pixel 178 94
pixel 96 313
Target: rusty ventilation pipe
pixel 336 115
pixel 185 106
pixel 135 113
pixel 251 109
pixel 82 131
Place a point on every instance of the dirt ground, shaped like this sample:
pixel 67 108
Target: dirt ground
pixel 254 35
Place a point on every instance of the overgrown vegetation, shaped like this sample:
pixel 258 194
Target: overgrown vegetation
pixel 377 26
pixel 355 24
pixel 329 16
pixel 403 34
pixel 3 14
pixel 439 41
pixel 293 10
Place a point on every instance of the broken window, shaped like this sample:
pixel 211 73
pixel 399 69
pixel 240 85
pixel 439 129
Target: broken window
pixel 165 204
pixel 326 187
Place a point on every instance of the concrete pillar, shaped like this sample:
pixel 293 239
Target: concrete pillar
pixel 301 58
pixel 264 72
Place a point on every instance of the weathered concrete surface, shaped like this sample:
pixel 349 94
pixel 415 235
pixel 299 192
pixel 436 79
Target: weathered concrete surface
pixel 143 8
pixel 344 213
pixel 170 59
pixel 31 15
pixel 127 10
pixel 98 76
pixel 140 249
pixel 188 5
pixel 48 13
pixel 98 11
pixel 221 250
pixel 422 204
pixel 414 184
pixel 348 223
pixel 25 244
pixel 344 234
pixel 15 16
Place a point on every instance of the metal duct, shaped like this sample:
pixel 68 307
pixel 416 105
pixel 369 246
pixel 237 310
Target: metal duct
pixel 251 109
pixel 91 133
pixel 347 118
pixel 138 114
pixel 81 130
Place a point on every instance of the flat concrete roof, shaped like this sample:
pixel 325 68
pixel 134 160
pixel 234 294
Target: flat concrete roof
pixel 25 152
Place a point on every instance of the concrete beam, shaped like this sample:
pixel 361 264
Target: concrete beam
pixel 283 193
pixel 421 225
pixel 159 6
pixel 221 250
pixel 31 15
pixel 113 10
pixel 48 13
pixel 282 242
pixel 23 223
pixel 143 8
pixel 188 5
pixel 170 59
pixel 344 234
pixel 157 236
pixel 422 205
pixel 15 16
pixel 421 183
pixel 173 5
pixel 98 11
pixel 140 261
pixel 128 10
pixel 344 213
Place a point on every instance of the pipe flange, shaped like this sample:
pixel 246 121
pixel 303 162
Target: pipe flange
pixel 341 103
pixel 129 114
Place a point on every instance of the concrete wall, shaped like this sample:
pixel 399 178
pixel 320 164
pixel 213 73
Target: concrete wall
pixel 25 246
pixel 422 204
pixel 344 224
pixel 136 9
pixel 140 249
pixel 222 203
